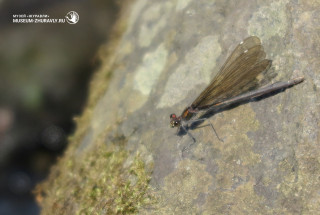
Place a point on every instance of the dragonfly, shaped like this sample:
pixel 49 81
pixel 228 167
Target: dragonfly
pixel 237 81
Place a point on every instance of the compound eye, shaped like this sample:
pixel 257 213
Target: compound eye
pixel 173 115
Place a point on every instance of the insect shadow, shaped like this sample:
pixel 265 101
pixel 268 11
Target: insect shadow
pixel 197 123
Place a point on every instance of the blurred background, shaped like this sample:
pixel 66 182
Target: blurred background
pixel 44 73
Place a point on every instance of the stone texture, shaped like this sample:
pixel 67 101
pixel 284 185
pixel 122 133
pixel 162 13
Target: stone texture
pixel 167 54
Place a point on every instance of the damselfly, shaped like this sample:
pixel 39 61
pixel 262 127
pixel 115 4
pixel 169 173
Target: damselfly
pixel 237 81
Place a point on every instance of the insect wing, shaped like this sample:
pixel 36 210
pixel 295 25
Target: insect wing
pixel 237 75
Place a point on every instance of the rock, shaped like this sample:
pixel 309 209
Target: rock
pixel 163 55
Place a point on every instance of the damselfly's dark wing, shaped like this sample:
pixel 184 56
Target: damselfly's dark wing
pixel 238 74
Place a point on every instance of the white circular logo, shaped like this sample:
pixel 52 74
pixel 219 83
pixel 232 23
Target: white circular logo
pixel 72 17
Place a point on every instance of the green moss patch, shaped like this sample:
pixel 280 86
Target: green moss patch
pixel 102 181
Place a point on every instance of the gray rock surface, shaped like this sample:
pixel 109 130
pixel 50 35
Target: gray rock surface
pixel 167 54
pixel 269 160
